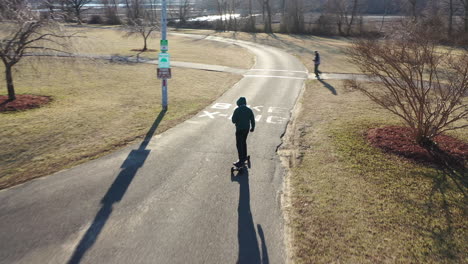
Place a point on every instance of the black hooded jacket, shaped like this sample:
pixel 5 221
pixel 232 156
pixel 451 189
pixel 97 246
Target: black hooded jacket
pixel 243 116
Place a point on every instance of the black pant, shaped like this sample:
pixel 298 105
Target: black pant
pixel 241 143
pixel 316 70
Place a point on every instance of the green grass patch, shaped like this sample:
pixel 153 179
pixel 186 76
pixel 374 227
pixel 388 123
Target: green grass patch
pixel 352 203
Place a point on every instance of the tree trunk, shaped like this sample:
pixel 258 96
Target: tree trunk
pixel 413 10
pixel 9 81
pixel 78 15
pixel 353 14
pixel 283 16
pixel 145 40
pixel 340 26
pixel 450 24
pixel 251 26
pixel 466 16
pixel 268 28
pixel 384 15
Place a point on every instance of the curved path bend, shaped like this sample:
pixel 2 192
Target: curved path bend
pixel 172 198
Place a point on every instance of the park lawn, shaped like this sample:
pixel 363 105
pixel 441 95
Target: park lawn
pixel 351 203
pixel 331 49
pixel 111 41
pixel 97 107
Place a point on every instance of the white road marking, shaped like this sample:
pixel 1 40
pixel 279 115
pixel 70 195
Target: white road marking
pixel 256 108
pixel 209 114
pixel 273 76
pixel 277 110
pixel 278 120
pixel 273 116
pixel 221 106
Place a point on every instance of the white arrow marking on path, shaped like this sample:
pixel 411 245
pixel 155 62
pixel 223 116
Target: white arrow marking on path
pixel 256 108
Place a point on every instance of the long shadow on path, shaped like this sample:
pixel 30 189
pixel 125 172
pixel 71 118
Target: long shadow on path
pixel 249 251
pixel 117 190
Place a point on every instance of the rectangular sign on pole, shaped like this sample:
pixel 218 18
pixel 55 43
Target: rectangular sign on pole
pixel 164 73
pixel 164 46
pixel 163 60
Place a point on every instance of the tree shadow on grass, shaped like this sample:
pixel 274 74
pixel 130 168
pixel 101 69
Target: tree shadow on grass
pixel 249 250
pixel 328 86
pixel 445 207
pixel 451 167
pixel 443 224
pixel 115 193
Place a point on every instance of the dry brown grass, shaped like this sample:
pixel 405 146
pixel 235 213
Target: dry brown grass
pixel 302 46
pixel 111 41
pixel 352 203
pixel 97 107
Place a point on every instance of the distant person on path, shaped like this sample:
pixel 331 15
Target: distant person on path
pixel 244 120
pixel 317 64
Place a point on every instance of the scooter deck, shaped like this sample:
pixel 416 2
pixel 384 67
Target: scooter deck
pixel 246 164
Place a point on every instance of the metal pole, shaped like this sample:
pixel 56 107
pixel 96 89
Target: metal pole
pixel 163 37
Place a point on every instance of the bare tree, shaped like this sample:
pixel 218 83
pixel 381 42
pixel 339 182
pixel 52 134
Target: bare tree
pixel 267 22
pixel 422 84
pixel 232 7
pixel 77 7
pixel 465 8
pixel 266 15
pixel 293 17
pixel 344 12
pixel 385 4
pixel 450 17
pixel 24 31
pixel 111 12
pixel 413 9
pixel 250 26
pixel 222 7
pixel 354 10
pixel 143 28
pixel 51 6
pixel 184 10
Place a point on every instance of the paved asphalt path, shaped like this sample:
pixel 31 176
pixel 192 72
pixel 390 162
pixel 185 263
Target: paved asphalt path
pixel 172 198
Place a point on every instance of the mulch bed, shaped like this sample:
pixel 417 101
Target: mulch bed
pixel 399 141
pixel 23 102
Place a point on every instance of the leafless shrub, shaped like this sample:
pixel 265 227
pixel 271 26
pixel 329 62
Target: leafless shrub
pixel 422 83
pixel 143 28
